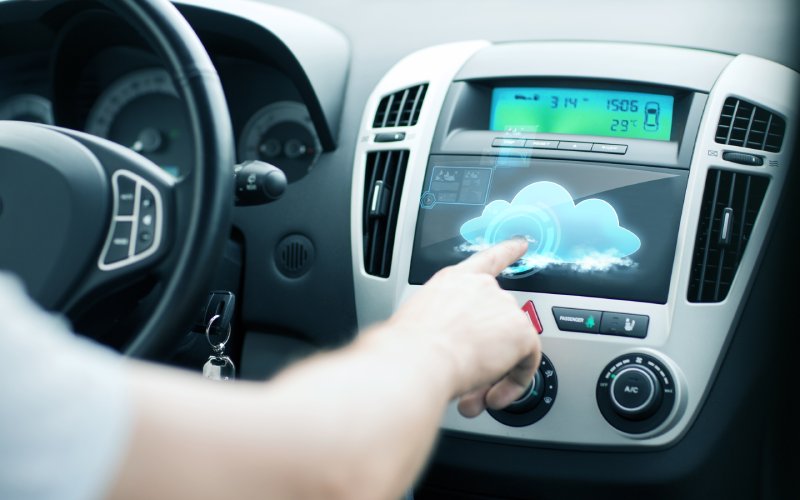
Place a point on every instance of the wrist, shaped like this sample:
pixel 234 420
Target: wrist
pixel 427 352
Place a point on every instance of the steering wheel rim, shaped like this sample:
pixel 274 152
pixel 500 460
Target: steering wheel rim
pixel 211 178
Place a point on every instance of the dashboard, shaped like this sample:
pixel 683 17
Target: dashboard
pixel 647 154
pixel 111 86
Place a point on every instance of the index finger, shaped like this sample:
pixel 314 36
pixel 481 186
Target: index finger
pixel 494 259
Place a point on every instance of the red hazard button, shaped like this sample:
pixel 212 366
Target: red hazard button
pixel 530 310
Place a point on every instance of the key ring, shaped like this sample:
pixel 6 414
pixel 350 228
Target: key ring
pixel 220 346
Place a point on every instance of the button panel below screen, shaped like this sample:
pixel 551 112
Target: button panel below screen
pixel 593 147
pixel 602 322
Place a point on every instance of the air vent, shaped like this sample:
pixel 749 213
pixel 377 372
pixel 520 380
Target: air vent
pixel 400 109
pixel 383 185
pixel 749 126
pixel 731 202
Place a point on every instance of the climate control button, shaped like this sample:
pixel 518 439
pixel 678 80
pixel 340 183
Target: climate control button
pixel 530 398
pixel 535 402
pixel 636 393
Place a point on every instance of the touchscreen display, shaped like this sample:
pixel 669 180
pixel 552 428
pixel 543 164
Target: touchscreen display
pixel 632 115
pixel 593 230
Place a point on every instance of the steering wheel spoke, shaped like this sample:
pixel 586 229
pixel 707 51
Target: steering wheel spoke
pixel 142 205
pixel 140 231
pixel 84 220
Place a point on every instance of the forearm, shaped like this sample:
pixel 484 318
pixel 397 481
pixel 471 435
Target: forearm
pixel 377 410
pixel 355 423
pixel 358 422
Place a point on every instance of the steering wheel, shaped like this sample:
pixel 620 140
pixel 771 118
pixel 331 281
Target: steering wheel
pixel 82 217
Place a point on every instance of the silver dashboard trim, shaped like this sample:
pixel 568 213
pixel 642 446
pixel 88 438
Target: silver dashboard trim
pixel 690 338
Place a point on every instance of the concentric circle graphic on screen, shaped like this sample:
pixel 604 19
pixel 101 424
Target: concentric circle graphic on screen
pixel 586 236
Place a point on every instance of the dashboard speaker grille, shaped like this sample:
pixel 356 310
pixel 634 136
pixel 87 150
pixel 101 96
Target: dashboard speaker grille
pixel 731 202
pixel 749 126
pixel 383 186
pixel 294 255
pixel 400 109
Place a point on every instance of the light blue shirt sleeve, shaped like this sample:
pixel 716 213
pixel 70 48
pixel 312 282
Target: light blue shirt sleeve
pixel 65 406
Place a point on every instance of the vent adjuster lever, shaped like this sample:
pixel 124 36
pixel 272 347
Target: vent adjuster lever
pixel 726 225
pixel 378 200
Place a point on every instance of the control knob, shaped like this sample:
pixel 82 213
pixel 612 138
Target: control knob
pixel 535 402
pixel 636 393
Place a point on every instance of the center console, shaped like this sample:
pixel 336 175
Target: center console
pixel 644 179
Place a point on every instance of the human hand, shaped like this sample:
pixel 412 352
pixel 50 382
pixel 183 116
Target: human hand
pixel 462 309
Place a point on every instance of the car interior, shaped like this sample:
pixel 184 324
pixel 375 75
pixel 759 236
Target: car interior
pixel 287 173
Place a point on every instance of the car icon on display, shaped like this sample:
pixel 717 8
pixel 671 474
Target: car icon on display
pixel 651 112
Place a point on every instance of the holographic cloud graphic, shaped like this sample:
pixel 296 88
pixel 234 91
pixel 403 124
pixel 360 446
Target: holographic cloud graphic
pixel 583 237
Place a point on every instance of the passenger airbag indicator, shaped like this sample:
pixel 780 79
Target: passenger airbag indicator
pixel 577 320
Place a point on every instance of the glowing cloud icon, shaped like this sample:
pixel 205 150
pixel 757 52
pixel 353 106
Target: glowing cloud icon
pixel 586 236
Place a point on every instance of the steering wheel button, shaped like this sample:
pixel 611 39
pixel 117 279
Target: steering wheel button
pixel 126 194
pixel 147 221
pixel 120 243
pixel 147 202
pixel 147 216
pixel 144 241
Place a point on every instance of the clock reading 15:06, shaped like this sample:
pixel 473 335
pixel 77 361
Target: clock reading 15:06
pixel 633 115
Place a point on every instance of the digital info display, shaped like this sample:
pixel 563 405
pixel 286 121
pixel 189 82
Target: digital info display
pixel 610 113
pixel 592 230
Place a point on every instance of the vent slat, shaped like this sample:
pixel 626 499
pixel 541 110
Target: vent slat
pixel 718 283
pixel 732 122
pixel 373 163
pixel 417 107
pixel 395 179
pixel 707 246
pixel 750 125
pixel 387 168
pixel 400 109
pixel 747 125
pixel 743 222
pixel 388 112
pixel 715 261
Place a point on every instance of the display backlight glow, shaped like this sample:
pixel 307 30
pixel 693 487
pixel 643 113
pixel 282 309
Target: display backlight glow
pixel 610 113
